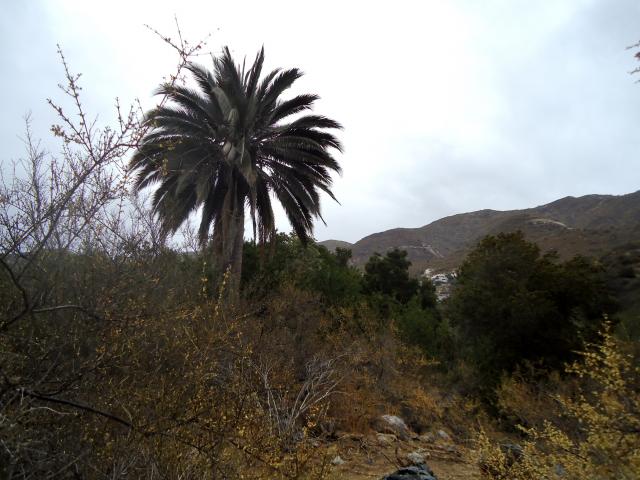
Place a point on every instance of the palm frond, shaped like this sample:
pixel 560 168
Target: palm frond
pixel 292 106
pixel 253 75
pixel 223 145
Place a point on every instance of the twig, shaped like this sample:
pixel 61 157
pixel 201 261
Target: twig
pixel 80 406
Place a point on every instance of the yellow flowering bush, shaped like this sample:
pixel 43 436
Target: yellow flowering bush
pixel 606 410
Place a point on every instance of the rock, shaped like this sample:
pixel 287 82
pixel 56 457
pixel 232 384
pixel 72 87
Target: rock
pixel 328 428
pixel 393 424
pixel 386 439
pixel 337 460
pixel 443 435
pixel 354 437
pixel 512 451
pixel 427 438
pixel 415 458
pixel 415 472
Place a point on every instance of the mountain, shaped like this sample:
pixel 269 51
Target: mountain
pixel 588 225
pixel 333 244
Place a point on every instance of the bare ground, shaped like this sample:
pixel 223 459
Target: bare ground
pixel 366 458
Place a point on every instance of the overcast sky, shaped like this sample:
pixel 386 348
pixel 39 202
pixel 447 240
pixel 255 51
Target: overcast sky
pixel 448 107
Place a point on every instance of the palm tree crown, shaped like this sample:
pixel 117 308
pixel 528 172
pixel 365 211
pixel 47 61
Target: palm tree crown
pixel 226 145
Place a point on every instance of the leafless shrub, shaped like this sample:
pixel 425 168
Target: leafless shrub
pixel 636 47
pixel 68 228
pixel 288 405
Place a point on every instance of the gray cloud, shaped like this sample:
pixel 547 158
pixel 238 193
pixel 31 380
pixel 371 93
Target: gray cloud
pixel 447 107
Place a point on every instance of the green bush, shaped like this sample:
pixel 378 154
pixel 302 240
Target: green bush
pixel 389 275
pixel 513 305
pixel 311 267
pixel 425 328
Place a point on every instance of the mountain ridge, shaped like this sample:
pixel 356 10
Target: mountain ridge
pixel 587 225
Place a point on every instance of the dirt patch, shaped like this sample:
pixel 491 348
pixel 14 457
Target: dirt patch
pixel 366 458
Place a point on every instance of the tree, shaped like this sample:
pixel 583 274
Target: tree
pixel 312 268
pixel 226 146
pixel 410 303
pixel 512 304
pixel 389 275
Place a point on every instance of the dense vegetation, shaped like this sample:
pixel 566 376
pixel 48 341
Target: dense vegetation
pixel 514 305
pixel 81 371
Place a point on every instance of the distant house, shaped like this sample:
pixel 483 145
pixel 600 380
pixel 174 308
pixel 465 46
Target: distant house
pixel 443 282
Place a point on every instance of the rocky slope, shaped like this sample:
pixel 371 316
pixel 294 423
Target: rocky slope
pixel 333 244
pixel 391 451
pixel 588 225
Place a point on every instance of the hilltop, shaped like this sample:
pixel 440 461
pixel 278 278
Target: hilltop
pixel 587 225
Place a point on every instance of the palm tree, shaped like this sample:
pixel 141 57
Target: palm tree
pixel 227 145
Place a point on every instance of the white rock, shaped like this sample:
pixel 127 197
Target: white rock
pixel 386 439
pixel 427 438
pixel 415 458
pixel 337 460
pixel 444 435
pixel 393 424
pixel 395 421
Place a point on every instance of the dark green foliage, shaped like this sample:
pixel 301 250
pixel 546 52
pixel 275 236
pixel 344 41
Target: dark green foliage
pixel 311 267
pixel 343 255
pixel 385 291
pixel 622 266
pixel 513 305
pixel 389 275
pixel 627 272
pixel 425 327
pixel 412 303
pixel 333 278
pixel 427 294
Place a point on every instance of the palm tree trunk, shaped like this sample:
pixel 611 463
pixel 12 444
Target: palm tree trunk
pixel 235 260
pixel 228 243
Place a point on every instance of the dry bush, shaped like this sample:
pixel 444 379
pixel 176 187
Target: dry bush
pixel 207 403
pixel 427 402
pixel 533 403
pixel 369 369
pixel 606 411
pixel 362 349
pixel 386 376
pixel 193 391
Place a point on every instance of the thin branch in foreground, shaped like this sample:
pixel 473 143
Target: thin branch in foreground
pixel 66 307
pixel 78 405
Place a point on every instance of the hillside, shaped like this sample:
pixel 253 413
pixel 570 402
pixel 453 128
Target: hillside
pixel 588 225
pixel 333 244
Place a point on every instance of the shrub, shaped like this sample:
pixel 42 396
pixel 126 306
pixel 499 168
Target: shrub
pixel 389 275
pixel 311 267
pixel 606 411
pixel 425 328
pixel 513 305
